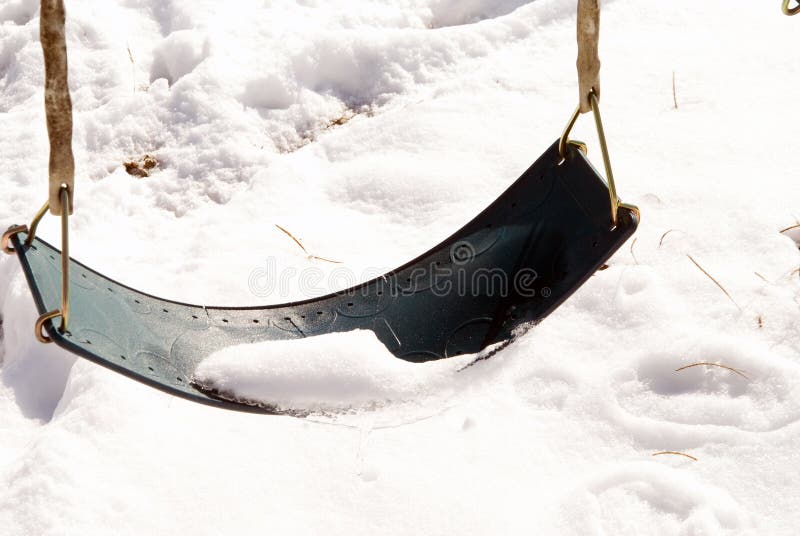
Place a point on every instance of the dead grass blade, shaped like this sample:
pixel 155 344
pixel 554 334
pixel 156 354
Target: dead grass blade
pixel 762 277
pixel 300 245
pixel 133 68
pixel 676 453
pixel 790 228
pixel 296 241
pixel 633 243
pixel 707 364
pixel 674 92
pixel 715 281
pixel 324 259
pixel 663 236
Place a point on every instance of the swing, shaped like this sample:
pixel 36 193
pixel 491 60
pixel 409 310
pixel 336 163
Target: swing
pixel 505 270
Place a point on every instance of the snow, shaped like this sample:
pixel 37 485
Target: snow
pixel 372 130
pixel 335 372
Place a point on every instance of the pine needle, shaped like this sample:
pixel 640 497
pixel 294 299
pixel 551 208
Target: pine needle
pixel 762 277
pixel 310 256
pixel 715 281
pixel 706 364
pixel 676 454
pixel 790 228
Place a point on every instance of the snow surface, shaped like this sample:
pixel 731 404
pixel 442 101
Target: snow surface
pixel 335 372
pixel 372 130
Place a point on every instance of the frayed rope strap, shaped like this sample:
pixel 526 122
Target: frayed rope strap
pixel 588 59
pixel 58 105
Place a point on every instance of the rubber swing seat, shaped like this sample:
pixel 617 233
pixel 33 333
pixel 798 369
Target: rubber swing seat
pixel 507 269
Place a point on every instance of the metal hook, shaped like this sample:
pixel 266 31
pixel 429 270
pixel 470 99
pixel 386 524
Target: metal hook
pixel 64 198
pixel 562 150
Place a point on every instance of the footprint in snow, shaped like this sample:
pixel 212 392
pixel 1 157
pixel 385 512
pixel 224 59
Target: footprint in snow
pixel 546 387
pixel 763 396
pixel 613 501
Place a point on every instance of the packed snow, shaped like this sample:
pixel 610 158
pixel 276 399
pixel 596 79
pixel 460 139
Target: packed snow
pixel 328 373
pixel 372 130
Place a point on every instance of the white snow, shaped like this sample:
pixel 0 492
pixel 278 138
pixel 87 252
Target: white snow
pixel 328 373
pixel 372 130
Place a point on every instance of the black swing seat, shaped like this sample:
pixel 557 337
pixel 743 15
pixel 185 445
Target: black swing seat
pixel 509 267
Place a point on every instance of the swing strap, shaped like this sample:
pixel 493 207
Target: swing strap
pixel 58 106
pixel 58 109
pixel 588 60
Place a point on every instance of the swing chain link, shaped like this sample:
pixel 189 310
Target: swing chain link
pixel 790 10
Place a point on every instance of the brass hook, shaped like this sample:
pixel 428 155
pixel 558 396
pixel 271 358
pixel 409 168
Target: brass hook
pixel 64 311
pixel 14 229
pixel 35 223
pixel 601 135
pixel 40 336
